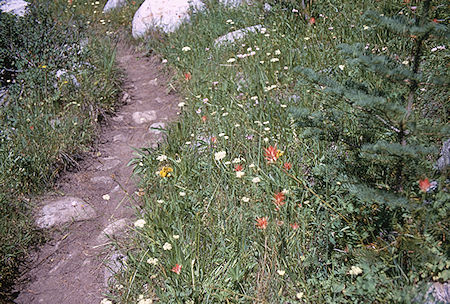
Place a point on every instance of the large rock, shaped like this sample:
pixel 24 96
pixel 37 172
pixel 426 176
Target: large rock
pixel 236 35
pixel 15 7
pixel 163 14
pixel 64 210
pixel 113 4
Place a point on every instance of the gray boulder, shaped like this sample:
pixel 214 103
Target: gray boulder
pixel 166 15
pixel 15 7
pixel 113 4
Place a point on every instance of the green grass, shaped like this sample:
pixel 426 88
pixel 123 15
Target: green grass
pixel 208 214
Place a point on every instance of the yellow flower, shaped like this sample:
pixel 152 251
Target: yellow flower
pixel 165 172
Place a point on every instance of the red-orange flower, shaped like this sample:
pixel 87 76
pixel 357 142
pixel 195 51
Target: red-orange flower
pixel 177 268
pixel 238 168
pixel 424 184
pixel 279 199
pixel 204 118
pixel 261 223
pixel 213 139
pixel 294 226
pixel 187 76
pixel 272 154
pixel 312 20
pixel 287 166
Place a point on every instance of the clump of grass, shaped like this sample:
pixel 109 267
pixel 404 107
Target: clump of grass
pixel 235 208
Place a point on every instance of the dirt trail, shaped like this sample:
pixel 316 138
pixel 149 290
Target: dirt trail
pixel 70 268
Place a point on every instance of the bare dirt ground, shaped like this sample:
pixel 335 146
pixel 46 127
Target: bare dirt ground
pixel 70 268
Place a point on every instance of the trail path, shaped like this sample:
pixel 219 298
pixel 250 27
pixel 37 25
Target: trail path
pixel 70 269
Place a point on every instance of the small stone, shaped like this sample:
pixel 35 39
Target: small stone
pixel 102 179
pixel 64 210
pixel 444 161
pixel 236 35
pixel 115 264
pixel 143 117
pixel 120 137
pixel 156 125
pixel 108 163
pixel 153 82
pixel 118 118
pixel 113 229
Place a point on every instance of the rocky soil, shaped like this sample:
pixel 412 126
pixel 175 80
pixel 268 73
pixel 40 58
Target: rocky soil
pixel 94 205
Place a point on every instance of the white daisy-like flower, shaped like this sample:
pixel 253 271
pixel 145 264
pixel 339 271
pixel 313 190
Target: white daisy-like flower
pixel 167 246
pixel 299 295
pixel 162 158
pixel 152 261
pixel 277 52
pixel 182 193
pixel 252 165
pixel 106 197
pixel 274 60
pixel 175 236
pixel 245 199
pixel 256 180
pixel 240 174
pixel 341 67
pixel 106 301
pixel 186 49
pixel 181 104
pixel 140 223
pixel 220 155
pixel 160 201
pixel 281 272
pixel 236 160
pixel 231 60
pixel 355 270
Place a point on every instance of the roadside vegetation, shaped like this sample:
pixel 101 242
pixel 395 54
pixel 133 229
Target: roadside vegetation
pixel 303 166
pixel 60 82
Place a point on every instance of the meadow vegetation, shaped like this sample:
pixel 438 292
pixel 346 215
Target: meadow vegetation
pixel 284 180
pixel 301 168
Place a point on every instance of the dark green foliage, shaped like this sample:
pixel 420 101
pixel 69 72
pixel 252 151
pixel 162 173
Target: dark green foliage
pixel 381 140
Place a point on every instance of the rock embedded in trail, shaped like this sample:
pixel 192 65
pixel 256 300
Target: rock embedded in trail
pixel 157 125
pixel 102 179
pixel 143 117
pixel 108 163
pixel 113 229
pixel 64 210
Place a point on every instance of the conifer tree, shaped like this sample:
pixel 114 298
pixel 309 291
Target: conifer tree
pixel 382 137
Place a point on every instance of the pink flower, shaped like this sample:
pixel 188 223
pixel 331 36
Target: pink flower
pixel 177 268
pixel 424 184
